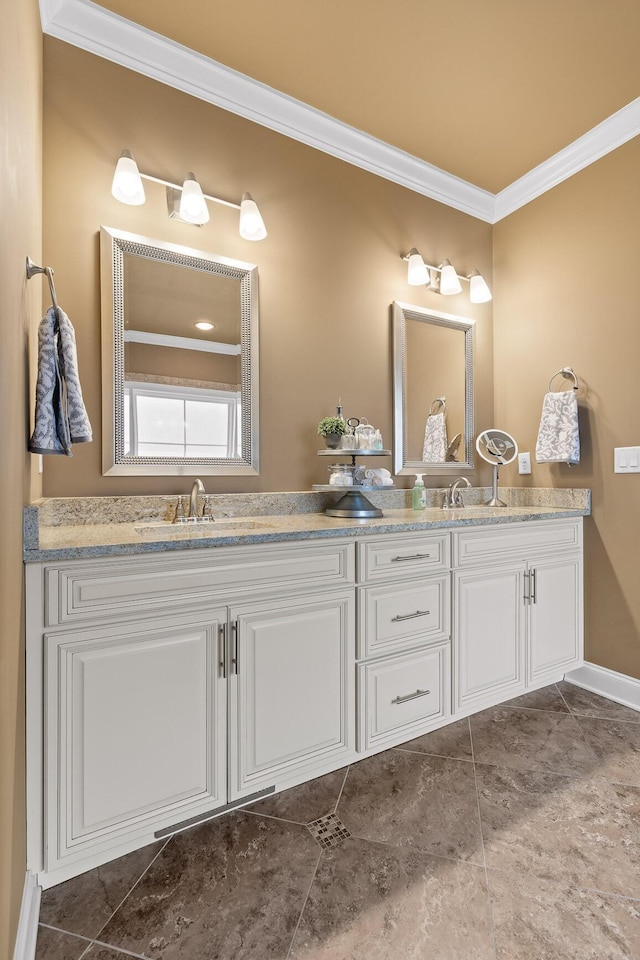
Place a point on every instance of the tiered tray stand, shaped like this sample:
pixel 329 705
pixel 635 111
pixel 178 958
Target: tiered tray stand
pixel 352 503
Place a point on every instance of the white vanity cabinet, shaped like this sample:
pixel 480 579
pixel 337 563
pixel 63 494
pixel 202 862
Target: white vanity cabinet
pixel 517 609
pixel 164 688
pixel 404 637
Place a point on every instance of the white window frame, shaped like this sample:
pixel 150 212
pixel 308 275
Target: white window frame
pixel 134 389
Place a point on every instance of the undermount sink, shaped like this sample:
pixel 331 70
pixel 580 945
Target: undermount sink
pixel 208 528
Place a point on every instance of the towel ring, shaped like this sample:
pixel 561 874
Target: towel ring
pixel 33 269
pixel 568 374
pixel 438 400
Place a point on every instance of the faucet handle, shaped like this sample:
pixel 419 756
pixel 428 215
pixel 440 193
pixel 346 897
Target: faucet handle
pixel 179 511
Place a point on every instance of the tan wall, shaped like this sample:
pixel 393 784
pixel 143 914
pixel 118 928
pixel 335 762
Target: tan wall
pixel 20 234
pixel 329 269
pixel 567 293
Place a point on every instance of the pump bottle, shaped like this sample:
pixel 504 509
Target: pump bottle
pixel 419 494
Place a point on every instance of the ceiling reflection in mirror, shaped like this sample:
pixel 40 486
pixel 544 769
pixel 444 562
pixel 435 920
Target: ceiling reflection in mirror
pixel 433 391
pixel 180 349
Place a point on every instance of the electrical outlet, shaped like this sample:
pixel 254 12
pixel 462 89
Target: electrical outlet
pixel 524 463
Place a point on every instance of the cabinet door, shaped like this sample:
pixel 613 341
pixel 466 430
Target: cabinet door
pixel 488 636
pixel 555 616
pixel 292 711
pixel 135 729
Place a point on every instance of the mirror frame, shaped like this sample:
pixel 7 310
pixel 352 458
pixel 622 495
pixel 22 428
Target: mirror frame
pixel 113 246
pixel 401 313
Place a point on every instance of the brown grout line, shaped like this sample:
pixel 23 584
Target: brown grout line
pixel 270 816
pixel 130 891
pixel 588 716
pixel 109 946
pixel 414 849
pixel 564 884
pixel 484 856
pixel 313 877
pixel 440 756
pixel 346 774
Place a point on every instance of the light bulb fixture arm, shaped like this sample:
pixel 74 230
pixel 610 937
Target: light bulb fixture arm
pixel 430 266
pixel 178 186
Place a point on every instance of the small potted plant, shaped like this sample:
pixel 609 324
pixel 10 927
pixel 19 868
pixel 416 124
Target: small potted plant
pixel 332 429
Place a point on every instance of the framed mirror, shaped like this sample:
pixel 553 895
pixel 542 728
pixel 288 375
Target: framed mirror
pixel 432 391
pixel 179 360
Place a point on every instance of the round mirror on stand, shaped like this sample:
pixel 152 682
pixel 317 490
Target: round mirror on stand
pixel 497 448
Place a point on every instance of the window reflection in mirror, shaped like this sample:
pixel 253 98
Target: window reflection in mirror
pixel 179 359
pixel 433 391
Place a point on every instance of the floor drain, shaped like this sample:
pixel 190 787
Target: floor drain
pixel 328 831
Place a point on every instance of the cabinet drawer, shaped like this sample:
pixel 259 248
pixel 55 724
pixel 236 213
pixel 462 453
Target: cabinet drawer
pixel 397 558
pixel 400 615
pixel 402 697
pixel 520 540
pixel 80 591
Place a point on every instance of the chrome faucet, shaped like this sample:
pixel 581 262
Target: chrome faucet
pixel 453 496
pixel 198 487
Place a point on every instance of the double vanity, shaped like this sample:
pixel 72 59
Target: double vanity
pixel 175 674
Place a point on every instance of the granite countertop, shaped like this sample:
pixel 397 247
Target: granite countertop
pixel 72 535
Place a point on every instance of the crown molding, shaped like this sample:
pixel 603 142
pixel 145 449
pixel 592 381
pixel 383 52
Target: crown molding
pixel 617 129
pixel 90 27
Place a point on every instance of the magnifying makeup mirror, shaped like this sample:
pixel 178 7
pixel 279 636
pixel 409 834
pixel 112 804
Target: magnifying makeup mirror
pixel 497 448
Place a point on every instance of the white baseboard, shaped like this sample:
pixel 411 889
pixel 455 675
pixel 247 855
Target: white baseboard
pixel 608 683
pixel 25 948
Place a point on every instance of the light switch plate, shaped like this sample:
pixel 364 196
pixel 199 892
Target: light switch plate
pixel 626 460
pixel 524 463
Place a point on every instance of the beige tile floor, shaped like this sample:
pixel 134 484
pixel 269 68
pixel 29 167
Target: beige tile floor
pixel 514 835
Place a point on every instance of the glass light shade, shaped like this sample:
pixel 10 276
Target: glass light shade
pixel 251 223
pixel 417 270
pixel 479 292
pixel 127 183
pixel 193 206
pixel 449 282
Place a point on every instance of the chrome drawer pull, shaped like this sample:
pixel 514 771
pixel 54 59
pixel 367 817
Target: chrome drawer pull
pixel 412 696
pixel 410 616
pixel 416 556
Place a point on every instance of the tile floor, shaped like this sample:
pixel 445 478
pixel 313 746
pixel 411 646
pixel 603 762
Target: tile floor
pixel 514 835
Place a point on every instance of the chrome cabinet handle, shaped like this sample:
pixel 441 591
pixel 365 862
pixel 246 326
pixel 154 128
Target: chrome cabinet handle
pixel 222 664
pixel 416 556
pixel 527 587
pixel 534 587
pixel 412 696
pixel 410 616
pixel 234 655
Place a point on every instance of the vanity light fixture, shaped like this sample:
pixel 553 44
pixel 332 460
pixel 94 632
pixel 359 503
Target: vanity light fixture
pixel 186 202
pixel 444 279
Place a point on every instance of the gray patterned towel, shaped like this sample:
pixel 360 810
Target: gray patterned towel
pixel 558 436
pixel 60 417
pixel 435 445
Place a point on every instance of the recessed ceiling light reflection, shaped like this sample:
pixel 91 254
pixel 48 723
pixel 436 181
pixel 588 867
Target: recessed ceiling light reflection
pixel 203 325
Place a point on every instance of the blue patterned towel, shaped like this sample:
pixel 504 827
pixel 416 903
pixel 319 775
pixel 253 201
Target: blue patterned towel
pixel 60 417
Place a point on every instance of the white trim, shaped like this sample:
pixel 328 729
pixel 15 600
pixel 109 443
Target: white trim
pixel 27 935
pixel 108 35
pixel 608 683
pixel 90 27
pixel 181 343
pixel 602 139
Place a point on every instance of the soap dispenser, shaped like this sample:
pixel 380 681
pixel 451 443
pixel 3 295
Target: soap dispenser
pixel 419 494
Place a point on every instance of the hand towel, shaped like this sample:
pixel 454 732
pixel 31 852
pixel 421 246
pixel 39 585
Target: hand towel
pixel 435 439
pixel 379 478
pixel 559 436
pixel 60 416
